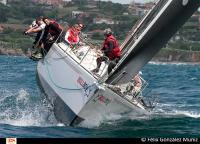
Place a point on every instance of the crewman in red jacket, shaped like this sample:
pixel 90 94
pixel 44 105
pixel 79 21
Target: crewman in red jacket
pixel 111 51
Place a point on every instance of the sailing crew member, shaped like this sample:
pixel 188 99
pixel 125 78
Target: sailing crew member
pixel 135 85
pixel 33 24
pixel 111 51
pixel 38 27
pixel 72 34
pixel 51 33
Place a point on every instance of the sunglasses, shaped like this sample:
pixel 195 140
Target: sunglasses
pixel 80 25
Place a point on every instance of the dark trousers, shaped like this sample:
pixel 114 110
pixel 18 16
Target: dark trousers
pixel 112 64
pixel 100 60
pixel 48 43
pixel 37 37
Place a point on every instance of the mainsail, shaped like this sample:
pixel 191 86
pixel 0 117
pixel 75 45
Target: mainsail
pixel 140 25
pixel 151 34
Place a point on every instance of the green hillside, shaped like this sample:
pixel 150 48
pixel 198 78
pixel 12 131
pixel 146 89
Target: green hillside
pixel 24 12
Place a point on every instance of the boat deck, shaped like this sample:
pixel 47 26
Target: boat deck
pixel 86 57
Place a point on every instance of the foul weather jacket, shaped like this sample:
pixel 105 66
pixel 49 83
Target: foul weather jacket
pixel 111 48
pixel 54 29
pixel 72 36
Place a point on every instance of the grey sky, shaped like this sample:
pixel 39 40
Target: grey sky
pixel 126 1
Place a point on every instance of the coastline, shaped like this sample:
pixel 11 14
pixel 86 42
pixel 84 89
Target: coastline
pixel 168 56
pixel 177 56
pixel 12 52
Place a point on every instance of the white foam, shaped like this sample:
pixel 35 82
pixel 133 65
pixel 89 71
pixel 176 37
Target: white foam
pixel 60 125
pixel 112 119
pixel 23 95
pixel 193 78
pixel 92 122
pixel 22 112
pixel 5 95
pixel 188 114
pixel 172 63
pixel 168 110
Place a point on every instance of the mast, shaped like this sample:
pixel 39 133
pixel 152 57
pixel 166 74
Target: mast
pixel 154 32
pixel 139 26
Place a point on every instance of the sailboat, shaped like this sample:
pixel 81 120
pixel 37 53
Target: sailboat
pixel 77 94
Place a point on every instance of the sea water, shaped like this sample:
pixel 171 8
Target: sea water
pixel 25 113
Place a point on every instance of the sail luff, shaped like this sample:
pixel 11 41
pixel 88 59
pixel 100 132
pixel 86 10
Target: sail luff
pixel 171 17
pixel 136 29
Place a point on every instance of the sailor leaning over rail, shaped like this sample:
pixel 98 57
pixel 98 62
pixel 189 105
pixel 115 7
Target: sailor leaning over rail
pixel 38 27
pixel 50 31
pixel 111 51
pixel 130 89
pixel 51 34
pixel 135 85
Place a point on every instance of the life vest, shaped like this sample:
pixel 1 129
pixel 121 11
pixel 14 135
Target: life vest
pixel 116 52
pixel 51 31
pixel 72 36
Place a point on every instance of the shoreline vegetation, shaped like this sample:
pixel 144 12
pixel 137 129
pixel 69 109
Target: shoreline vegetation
pixel 164 55
pixel 184 46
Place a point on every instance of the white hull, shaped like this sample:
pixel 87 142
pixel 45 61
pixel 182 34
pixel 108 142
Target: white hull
pixel 77 94
pixel 74 90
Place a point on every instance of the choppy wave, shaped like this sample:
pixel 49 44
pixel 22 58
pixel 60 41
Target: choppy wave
pixel 22 105
pixel 191 114
pixel 20 109
pixel 173 63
